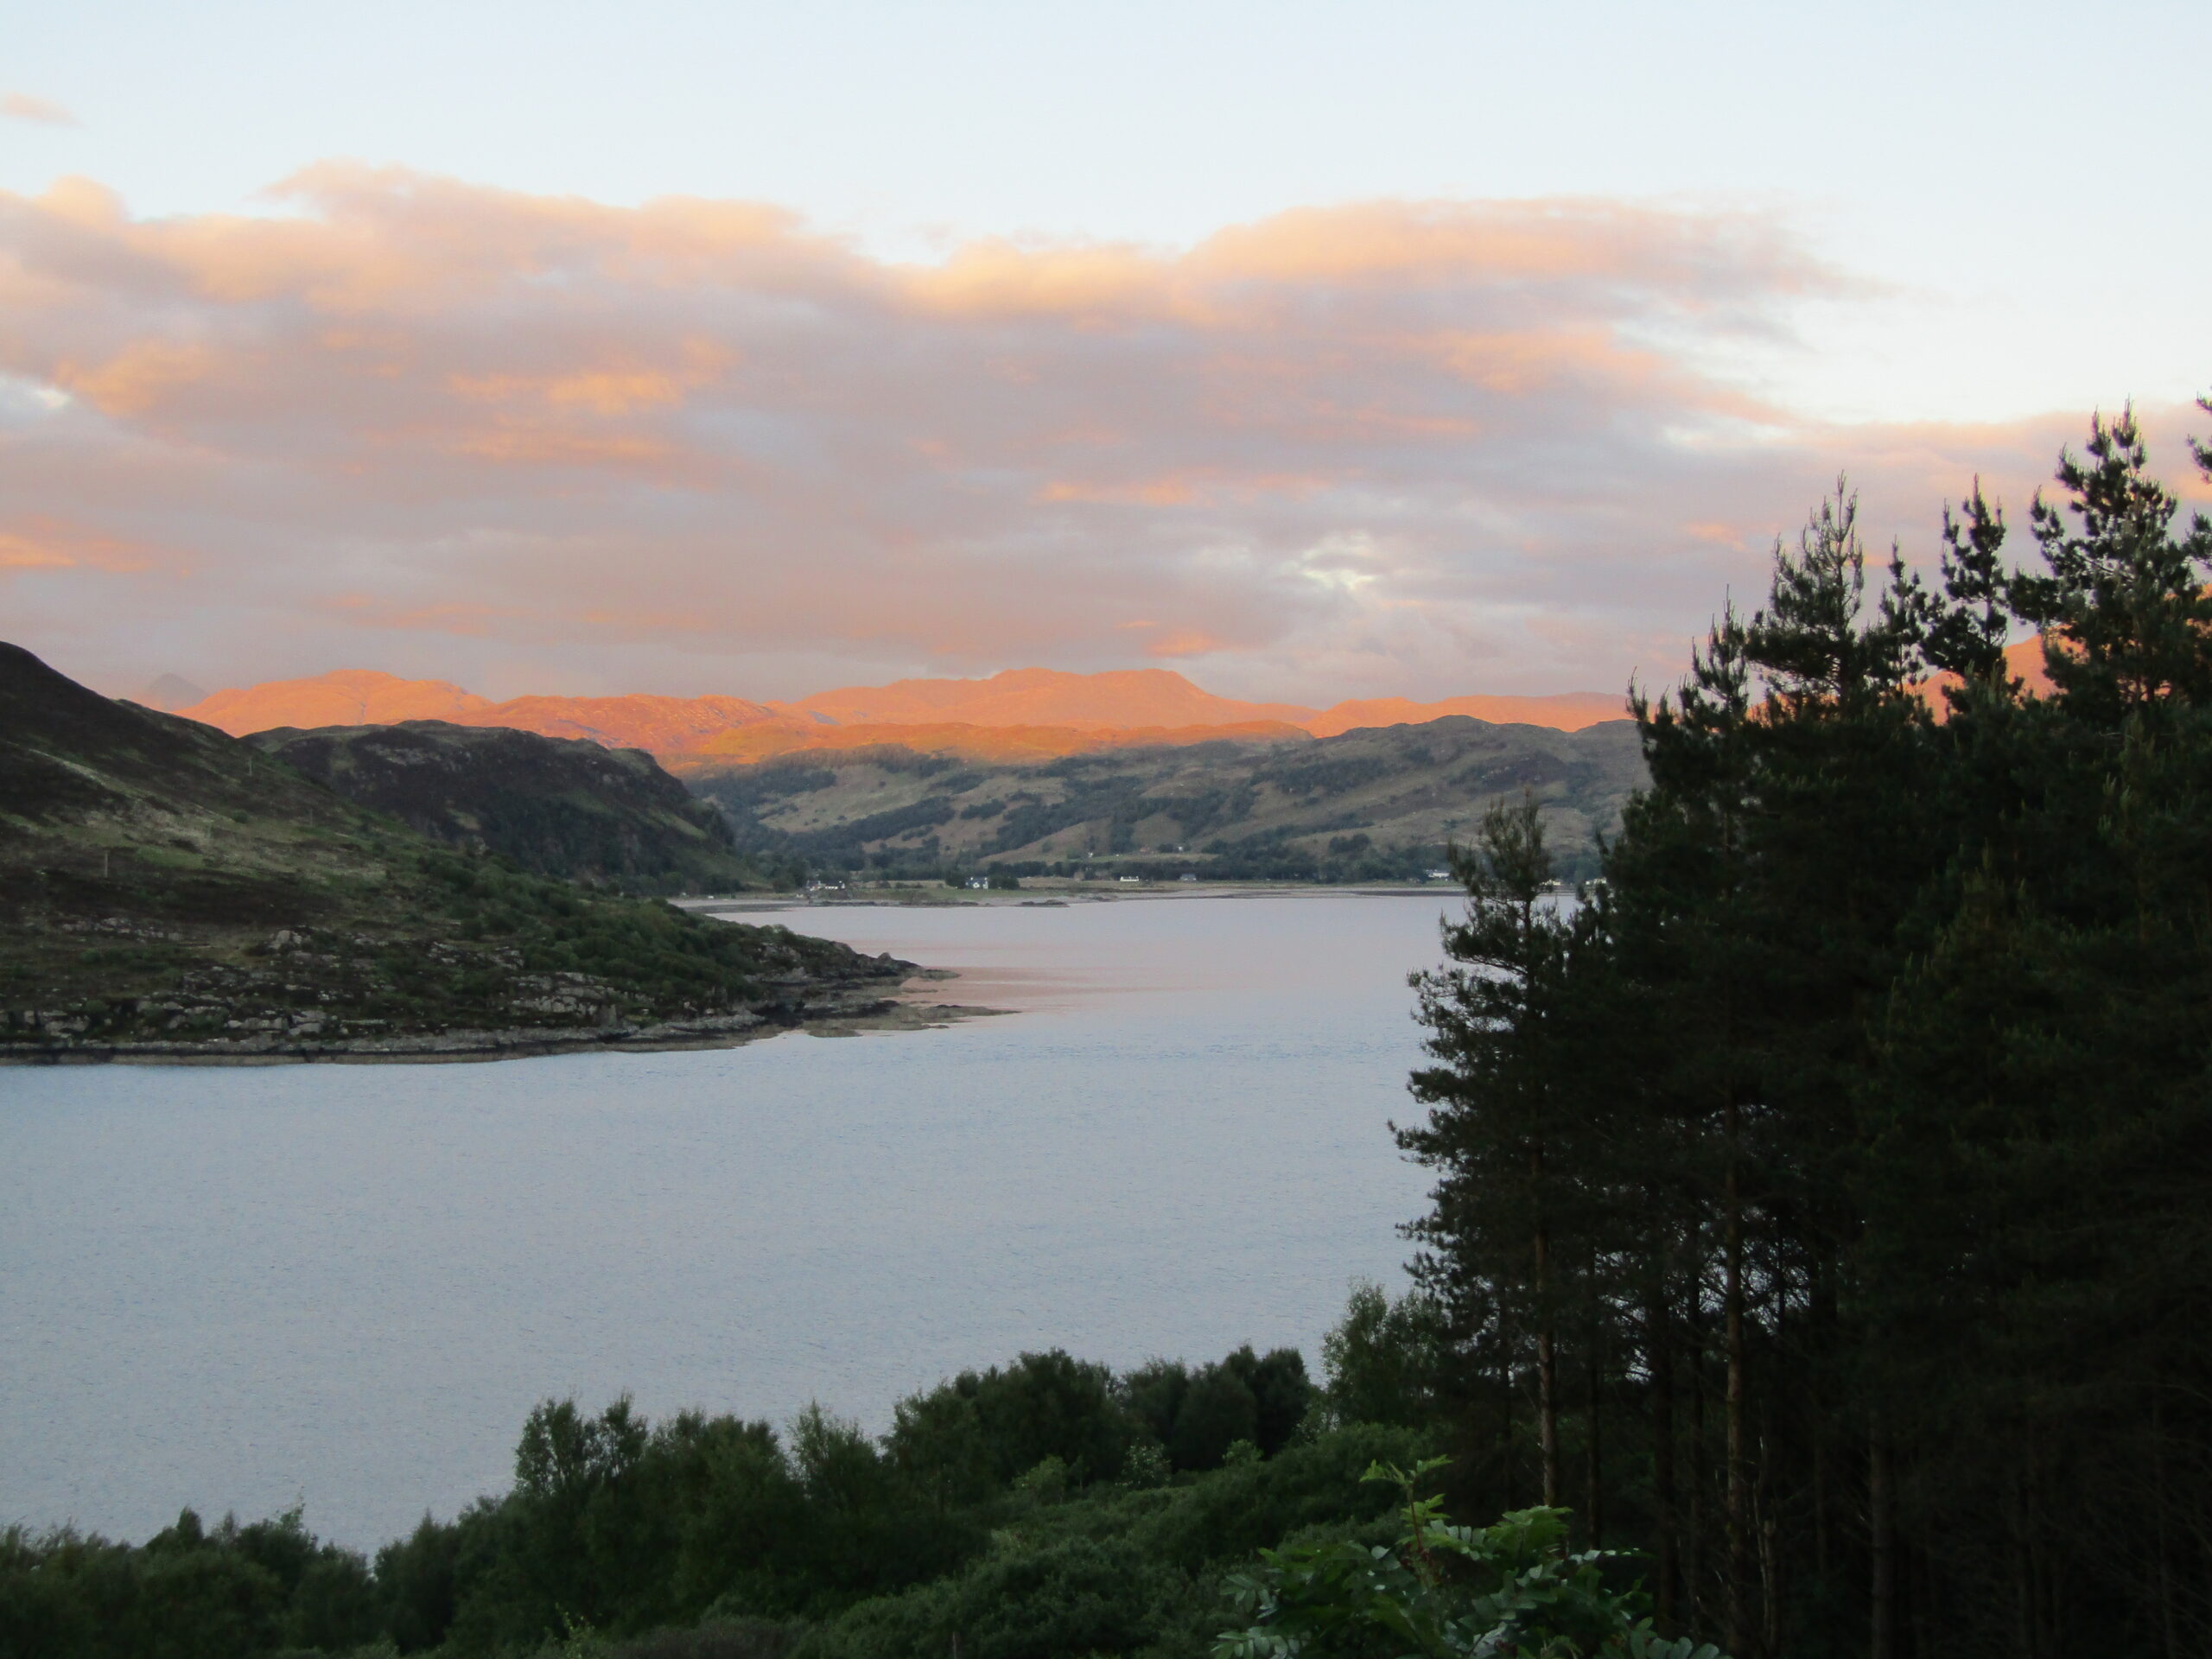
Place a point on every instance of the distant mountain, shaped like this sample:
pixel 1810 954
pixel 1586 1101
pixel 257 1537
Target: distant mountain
pixel 1153 706
pixel 1570 711
pixel 169 693
pixel 349 697
pixel 1364 804
pixel 639 720
pixel 167 889
pixel 991 744
pixel 1159 697
pixel 557 806
pixel 1044 696
pixel 364 697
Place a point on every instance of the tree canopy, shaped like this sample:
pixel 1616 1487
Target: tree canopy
pixel 1820 1198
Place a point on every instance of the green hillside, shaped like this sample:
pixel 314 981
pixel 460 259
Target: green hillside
pixel 164 887
pixel 1373 804
pixel 554 806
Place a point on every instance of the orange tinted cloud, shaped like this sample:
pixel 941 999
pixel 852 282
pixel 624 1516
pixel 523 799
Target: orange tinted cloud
pixel 46 544
pixel 22 106
pixel 144 373
pixel 1396 448
pixel 1183 643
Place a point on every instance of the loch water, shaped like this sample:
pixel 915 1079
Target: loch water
pixel 343 1287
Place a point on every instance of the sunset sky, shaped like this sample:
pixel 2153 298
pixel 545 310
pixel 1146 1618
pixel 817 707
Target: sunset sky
pixel 1315 351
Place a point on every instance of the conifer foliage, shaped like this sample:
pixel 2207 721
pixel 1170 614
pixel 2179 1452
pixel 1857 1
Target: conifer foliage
pixel 1823 1203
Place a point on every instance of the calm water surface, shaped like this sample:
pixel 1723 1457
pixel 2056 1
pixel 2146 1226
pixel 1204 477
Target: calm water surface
pixel 345 1285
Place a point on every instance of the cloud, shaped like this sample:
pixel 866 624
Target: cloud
pixel 22 106
pixel 538 443
pixel 41 543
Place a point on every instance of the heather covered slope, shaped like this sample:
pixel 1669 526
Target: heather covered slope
pixel 164 885
pixel 554 806
pixel 1366 805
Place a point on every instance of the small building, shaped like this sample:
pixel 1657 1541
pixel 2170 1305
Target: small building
pixel 1186 876
pixel 1130 881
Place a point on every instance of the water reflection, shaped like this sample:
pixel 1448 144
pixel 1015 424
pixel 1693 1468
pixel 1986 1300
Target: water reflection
pixel 345 1284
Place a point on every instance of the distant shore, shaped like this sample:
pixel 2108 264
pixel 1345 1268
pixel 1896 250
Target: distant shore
pixel 1045 891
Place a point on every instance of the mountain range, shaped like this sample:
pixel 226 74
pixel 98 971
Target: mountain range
pixel 1022 712
pixel 1373 804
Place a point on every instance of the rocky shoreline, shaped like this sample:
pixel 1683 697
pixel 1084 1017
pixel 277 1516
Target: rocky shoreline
pixel 302 996
pixel 837 1011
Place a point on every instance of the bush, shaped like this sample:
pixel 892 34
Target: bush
pixel 1511 1589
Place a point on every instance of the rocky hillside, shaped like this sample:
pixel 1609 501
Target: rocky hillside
pixel 554 806
pixel 1369 804
pixel 165 889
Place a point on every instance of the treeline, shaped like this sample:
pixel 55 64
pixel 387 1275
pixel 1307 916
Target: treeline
pixel 1825 1203
pixel 1347 858
pixel 1045 1507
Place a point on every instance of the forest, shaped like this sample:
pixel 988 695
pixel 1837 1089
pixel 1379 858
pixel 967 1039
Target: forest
pixel 1821 1206
pixel 1816 1263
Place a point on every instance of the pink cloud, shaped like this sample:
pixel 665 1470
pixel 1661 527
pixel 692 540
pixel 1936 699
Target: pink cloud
pixel 41 543
pixel 22 106
pixel 1416 448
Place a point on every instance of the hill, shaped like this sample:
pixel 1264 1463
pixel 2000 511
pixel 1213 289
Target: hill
pixel 554 806
pixel 1044 696
pixel 1159 697
pixel 348 696
pixel 1365 804
pixel 168 890
pixel 169 693
pixel 991 744
pixel 1148 706
pixel 1570 711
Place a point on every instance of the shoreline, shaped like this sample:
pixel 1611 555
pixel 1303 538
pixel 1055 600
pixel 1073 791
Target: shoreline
pixel 919 897
pixel 850 1015
pixel 838 1013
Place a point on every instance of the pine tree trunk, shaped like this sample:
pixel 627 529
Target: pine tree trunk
pixel 1547 1373
pixel 1694 1565
pixel 1665 1548
pixel 1505 1398
pixel 2167 1624
pixel 2023 1570
pixel 1769 1533
pixel 1593 1482
pixel 1547 1347
pixel 1881 1504
pixel 1821 1505
pixel 1739 1474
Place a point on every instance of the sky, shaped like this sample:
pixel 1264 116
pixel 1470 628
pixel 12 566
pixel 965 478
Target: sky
pixel 1315 351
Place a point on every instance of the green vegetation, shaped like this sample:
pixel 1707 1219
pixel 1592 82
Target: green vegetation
pixel 1821 1206
pixel 1030 1508
pixel 1446 1592
pixel 1378 805
pixel 163 884
pixel 552 806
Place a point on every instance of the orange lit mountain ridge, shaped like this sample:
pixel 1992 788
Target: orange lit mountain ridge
pixel 1030 713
